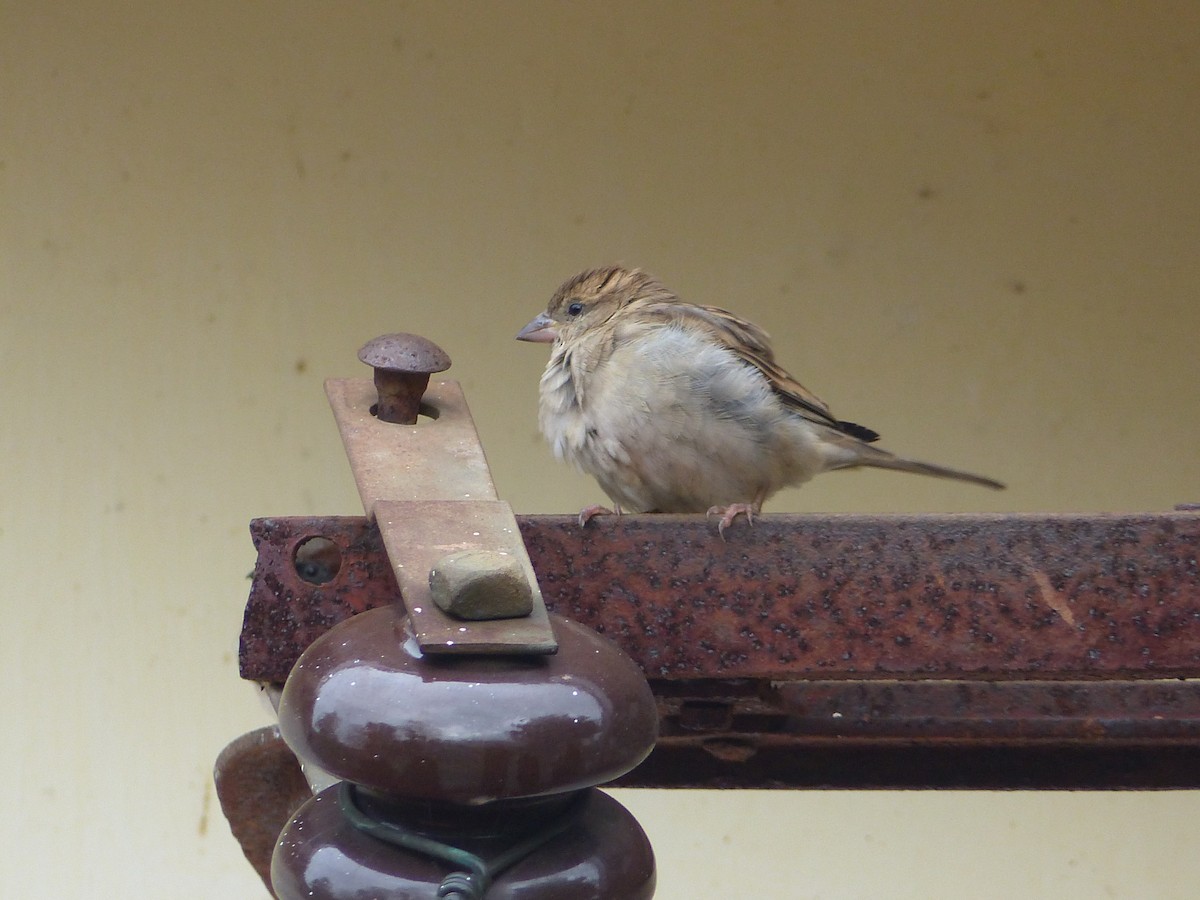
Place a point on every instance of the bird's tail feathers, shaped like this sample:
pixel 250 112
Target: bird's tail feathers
pixel 882 459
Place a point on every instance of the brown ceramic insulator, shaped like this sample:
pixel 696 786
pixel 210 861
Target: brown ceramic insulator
pixel 603 854
pixel 364 704
pixel 402 364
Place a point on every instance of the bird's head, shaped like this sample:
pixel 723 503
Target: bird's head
pixel 590 299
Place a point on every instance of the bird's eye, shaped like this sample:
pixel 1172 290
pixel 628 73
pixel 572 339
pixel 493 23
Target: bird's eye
pixel 575 309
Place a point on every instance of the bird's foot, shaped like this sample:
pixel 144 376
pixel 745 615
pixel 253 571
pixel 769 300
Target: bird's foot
pixel 590 512
pixel 729 513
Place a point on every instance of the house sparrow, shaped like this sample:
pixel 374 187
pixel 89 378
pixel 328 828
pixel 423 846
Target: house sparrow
pixel 679 408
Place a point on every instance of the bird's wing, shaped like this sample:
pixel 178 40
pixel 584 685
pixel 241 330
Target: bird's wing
pixel 753 346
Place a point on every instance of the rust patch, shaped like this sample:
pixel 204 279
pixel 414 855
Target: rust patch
pixel 809 596
pixel 259 784
pixel 285 613
pixel 867 596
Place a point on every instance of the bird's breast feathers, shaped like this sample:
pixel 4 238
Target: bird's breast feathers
pixel 664 419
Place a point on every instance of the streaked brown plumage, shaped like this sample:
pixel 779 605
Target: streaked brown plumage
pixel 675 407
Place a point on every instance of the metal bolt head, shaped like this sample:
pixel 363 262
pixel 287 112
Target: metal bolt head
pixel 402 363
pixel 402 352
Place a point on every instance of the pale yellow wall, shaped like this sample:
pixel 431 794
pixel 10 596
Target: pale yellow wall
pixel 974 227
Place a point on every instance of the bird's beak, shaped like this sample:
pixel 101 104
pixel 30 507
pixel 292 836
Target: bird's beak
pixel 540 331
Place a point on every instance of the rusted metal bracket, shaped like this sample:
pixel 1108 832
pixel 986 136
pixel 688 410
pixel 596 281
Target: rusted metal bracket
pixel 851 651
pixel 428 487
pixel 260 785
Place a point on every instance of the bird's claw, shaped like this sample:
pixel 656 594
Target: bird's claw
pixel 590 512
pixel 729 513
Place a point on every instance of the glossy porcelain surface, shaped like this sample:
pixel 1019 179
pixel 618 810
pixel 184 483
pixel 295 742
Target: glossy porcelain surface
pixel 366 705
pixel 603 855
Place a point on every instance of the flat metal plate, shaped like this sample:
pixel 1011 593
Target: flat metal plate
pixel 438 458
pixel 418 533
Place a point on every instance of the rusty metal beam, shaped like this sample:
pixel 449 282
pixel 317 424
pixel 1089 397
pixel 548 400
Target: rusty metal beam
pixel 285 613
pixel 812 596
pixel 850 651
pixel 773 763
pixel 988 596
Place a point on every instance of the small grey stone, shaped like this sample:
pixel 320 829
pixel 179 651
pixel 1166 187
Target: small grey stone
pixel 481 584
